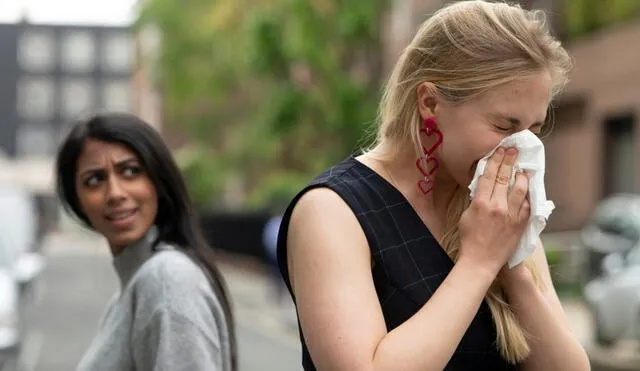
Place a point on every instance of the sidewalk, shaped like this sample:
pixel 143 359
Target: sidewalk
pixel 251 289
pixel 254 306
pixel 249 284
pixel 80 279
pixel 248 280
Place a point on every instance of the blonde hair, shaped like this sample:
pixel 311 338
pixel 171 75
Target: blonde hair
pixel 465 49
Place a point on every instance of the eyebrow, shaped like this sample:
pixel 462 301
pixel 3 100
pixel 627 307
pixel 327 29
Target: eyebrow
pixel 119 164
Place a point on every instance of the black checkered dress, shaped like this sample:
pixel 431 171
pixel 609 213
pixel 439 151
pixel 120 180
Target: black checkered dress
pixel 409 264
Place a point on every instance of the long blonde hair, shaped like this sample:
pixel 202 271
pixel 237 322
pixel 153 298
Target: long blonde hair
pixel 465 49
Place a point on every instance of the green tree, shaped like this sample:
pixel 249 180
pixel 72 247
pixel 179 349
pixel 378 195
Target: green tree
pixel 321 63
pixel 277 89
pixel 582 17
pixel 201 70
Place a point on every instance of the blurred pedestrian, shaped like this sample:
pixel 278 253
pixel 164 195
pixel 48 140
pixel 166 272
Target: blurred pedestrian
pixel 270 243
pixel 390 265
pixel 117 176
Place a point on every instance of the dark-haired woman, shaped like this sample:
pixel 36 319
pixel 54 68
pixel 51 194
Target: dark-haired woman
pixel 116 175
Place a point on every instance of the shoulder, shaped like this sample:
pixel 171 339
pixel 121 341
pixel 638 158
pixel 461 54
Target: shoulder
pixel 171 290
pixel 171 281
pixel 323 228
pixel 320 208
pixel 328 207
pixel 347 168
pixel 330 193
pixel 173 268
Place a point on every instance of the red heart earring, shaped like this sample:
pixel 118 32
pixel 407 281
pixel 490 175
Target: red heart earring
pixel 430 128
pixel 429 124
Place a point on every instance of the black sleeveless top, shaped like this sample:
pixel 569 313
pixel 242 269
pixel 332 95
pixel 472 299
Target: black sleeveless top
pixel 408 263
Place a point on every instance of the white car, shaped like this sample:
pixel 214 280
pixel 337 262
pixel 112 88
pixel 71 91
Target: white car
pixel 614 298
pixel 19 264
pixel 8 316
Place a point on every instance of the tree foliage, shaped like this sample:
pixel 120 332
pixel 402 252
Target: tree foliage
pixel 582 17
pixel 279 89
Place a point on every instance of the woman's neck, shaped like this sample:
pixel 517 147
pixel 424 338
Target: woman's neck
pixel 399 168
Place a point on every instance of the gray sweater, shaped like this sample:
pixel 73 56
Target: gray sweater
pixel 165 317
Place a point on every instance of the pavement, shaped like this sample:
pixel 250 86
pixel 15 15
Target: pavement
pixel 65 304
pixel 68 300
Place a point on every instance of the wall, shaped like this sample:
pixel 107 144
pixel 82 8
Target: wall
pixel 604 83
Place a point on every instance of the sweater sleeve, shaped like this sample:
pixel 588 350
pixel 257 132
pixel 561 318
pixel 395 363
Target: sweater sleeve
pixel 172 342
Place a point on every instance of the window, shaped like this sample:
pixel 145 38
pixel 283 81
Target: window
pixel 118 53
pixel 78 97
pixel 35 98
pixel 35 140
pixel 36 51
pixel 79 51
pixel 117 96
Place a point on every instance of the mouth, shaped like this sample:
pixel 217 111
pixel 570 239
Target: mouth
pixel 118 216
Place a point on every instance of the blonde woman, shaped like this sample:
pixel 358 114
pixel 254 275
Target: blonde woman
pixel 390 265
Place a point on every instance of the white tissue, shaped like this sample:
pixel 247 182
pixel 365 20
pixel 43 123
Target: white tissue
pixel 531 159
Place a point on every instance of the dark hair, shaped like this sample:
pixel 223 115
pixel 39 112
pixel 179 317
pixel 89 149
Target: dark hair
pixel 176 218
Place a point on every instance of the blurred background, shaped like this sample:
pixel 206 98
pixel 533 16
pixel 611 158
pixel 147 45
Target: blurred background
pixel 255 97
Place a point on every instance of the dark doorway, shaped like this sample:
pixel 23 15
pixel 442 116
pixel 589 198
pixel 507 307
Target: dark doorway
pixel 620 153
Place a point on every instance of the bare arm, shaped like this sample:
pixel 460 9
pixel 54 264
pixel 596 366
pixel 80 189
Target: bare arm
pixel 553 346
pixel 330 271
pixel 341 319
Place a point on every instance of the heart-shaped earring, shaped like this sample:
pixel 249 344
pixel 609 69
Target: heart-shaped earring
pixel 431 128
pixel 429 125
pixel 428 164
pixel 426 185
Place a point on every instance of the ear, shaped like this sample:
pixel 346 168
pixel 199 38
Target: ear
pixel 427 95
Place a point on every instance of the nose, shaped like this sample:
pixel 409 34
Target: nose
pixel 115 192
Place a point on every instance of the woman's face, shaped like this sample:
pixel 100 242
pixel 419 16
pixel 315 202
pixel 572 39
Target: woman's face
pixel 115 193
pixel 472 129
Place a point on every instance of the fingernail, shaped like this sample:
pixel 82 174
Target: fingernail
pixel 500 151
pixel 512 151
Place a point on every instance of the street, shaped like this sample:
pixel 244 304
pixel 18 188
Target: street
pixel 66 303
pixel 64 307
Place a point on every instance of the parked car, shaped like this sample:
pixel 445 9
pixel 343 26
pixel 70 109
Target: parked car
pixel 614 298
pixel 20 264
pixel 9 318
pixel 613 228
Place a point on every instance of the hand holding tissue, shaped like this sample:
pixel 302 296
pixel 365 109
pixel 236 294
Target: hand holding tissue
pixel 530 159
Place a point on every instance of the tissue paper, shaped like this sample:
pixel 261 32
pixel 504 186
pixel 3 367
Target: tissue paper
pixel 530 158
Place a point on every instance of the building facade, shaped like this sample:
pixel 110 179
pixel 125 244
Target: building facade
pixel 53 75
pixel 593 151
pixel 147 98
